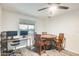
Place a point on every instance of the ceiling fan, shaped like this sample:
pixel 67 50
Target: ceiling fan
pixel 59 6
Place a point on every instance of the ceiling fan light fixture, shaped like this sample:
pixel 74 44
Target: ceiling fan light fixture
pixel 53 8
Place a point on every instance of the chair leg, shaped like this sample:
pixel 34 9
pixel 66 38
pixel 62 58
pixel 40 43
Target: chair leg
pixel 44 49
pixel 60 48
pixel 40 50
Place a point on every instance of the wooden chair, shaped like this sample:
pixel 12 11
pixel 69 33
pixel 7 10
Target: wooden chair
pixel 39 44
pixel 59 41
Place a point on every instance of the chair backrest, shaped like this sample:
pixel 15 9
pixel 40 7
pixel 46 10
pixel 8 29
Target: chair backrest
pixel 61 37
pixel 44 33
pixel 37 38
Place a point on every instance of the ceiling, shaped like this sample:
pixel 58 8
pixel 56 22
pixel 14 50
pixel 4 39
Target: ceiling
pixel 32 8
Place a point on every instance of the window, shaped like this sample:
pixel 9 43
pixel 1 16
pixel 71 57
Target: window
pixel 23 27
pixel 27 27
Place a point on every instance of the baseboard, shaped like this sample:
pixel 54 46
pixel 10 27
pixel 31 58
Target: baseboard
pixel 72 52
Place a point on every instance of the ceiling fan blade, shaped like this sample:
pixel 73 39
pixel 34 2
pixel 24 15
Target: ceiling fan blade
pixel 42 9
pixel 53 3
pixel 63 7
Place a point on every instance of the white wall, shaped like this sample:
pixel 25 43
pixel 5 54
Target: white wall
pixel 40 26
pixel 9 21
pixel 67 23
pixel 0 18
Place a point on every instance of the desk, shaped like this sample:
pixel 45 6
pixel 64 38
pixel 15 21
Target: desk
pixel 14 39
pixel 23 43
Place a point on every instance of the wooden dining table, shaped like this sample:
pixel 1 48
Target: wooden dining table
pixel 48 37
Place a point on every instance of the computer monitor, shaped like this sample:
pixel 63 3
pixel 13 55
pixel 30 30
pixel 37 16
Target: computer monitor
pixel 23 33
pixel 11 33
